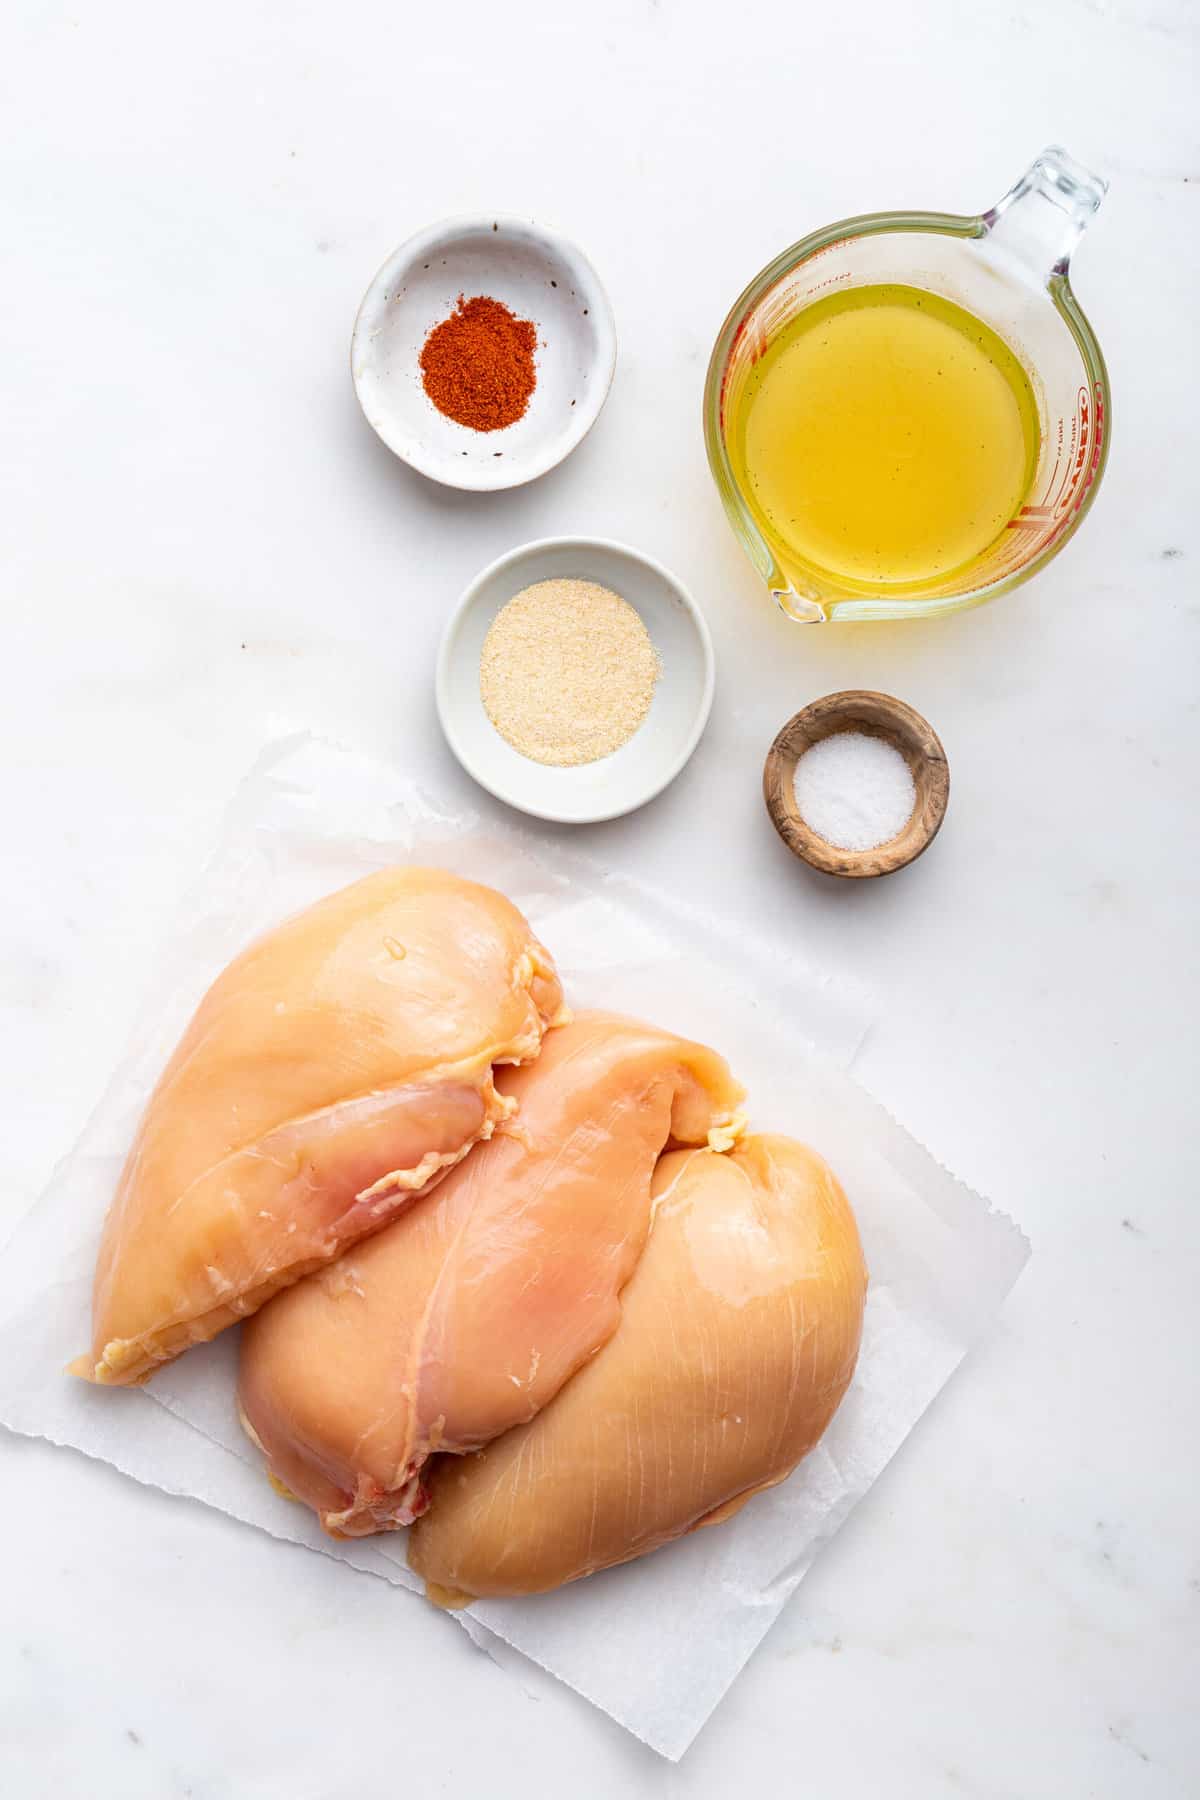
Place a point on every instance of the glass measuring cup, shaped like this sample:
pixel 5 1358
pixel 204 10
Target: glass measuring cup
pixel 1007 266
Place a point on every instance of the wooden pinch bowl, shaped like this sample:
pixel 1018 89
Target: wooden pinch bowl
pixel 874 715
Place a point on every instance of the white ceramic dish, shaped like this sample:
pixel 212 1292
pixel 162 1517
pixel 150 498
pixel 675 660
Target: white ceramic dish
pixel 655 753
pixel 539 276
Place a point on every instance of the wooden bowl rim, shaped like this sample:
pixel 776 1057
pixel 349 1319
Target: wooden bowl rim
pixel 876 715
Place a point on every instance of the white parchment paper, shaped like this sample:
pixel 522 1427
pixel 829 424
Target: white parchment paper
pixel 658 1642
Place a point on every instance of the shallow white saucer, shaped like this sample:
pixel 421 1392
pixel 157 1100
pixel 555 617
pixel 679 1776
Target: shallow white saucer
pixel 537 274
pixel 655 753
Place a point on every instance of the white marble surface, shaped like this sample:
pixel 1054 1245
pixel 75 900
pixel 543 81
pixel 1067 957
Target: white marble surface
pixel 204 546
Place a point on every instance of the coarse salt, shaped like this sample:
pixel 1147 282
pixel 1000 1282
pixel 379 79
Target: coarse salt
pixel 854 791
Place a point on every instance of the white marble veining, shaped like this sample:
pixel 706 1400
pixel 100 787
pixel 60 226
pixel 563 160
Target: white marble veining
pixel 204 546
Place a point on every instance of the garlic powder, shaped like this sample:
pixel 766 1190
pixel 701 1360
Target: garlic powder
pixel 567 672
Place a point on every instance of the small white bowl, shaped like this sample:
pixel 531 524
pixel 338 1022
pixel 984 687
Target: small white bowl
pixel 664 741
pixel 539 276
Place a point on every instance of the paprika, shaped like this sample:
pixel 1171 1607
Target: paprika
pixel 477 365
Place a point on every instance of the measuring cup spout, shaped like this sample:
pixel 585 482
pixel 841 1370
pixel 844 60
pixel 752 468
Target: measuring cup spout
pixel 1041 219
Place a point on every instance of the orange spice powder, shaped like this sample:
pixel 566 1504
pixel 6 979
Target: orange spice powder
pixel 477 365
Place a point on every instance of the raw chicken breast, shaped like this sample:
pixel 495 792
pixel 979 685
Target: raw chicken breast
pixel 470 1312
pixel 337 1068
pixel 738 1336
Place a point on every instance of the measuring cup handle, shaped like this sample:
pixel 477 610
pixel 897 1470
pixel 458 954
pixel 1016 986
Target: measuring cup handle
pixel 1042 218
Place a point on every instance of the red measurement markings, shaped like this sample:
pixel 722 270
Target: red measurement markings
pixel 1086 463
